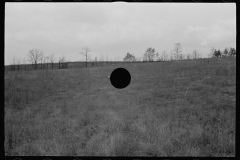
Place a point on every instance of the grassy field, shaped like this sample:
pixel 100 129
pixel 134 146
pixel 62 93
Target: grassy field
pixel 177 108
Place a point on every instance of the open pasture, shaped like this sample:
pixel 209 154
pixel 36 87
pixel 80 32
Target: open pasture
pixel 176 108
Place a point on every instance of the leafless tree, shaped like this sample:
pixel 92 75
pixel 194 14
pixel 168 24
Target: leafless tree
pixel 86 49
pixel 164 56
pixel 199 55
pixel 46 61
pixel 24 62
pixel 89 58
pixel 35 56
pixel 18 61
pixel 42 61
pixel 157 56
pixel 195 54
pixel 188 56
pixel 61 62
pixel 14 61
pixel 171 58
pixel 212 51
pixel 178 50
pixel 101 57
pixel 161 59
pixel 181 56
pixel 149 54
pixel 52 59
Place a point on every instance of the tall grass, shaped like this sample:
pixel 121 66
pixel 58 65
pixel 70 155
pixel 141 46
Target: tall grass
pixel 180 108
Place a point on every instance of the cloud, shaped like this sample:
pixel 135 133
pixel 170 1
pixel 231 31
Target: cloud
pixel 113 28
pixel 222 32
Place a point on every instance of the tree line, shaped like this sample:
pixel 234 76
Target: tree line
pixel 151 54
pixel 226 52
pixel 39 61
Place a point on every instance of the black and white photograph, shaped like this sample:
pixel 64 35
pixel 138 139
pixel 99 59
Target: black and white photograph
pixel 120 79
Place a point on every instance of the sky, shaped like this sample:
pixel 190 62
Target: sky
pixel 111 30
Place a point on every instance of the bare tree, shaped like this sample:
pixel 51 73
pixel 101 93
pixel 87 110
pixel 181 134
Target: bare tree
pixel 157 56
pixel 180 56
pixel 212 51
pixel 149 54
pixel 161 59
pixel 171 58
pixel 164 56
pixel 178 50
pixel 62 63
pixel 14 61
pixel 42 61
pixel 199 55
pixel 35 56
pixel 86 49
pixel 24 62
pixel 195 54
pixel 46 61
pixel 101 57
pixel 18 61
pixel 89 58
pixel 52 59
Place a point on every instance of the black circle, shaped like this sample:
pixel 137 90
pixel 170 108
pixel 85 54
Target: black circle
pixel 120 78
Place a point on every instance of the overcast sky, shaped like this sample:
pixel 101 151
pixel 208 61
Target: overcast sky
pixel 114 29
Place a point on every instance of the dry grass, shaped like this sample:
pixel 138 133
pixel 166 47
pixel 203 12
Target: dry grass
pixel 77 112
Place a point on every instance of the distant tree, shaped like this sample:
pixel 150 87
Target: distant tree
pixel 107 57
pixel 35 56
pixel 161 58
pixel 195 54
pixel 188 56
pixel 149 54
pixel 232 51
pixel 42 61
pixel 199 55
pixel 177 50
pixel 45 61
pixel 86 49
pixel 14 61
pixel 24 62
pixel 129 58
pixel 171 58
pixel 212 51
pixel 157 56
pixel 164 56
pixel 181 56
pixel 62 62
pixel 101 57
pixel 225 52
pixel 89 58
pixel 217 53
pixel 52 59
pixel 18 60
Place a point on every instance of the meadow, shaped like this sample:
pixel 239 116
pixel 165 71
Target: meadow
pixel 175 108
